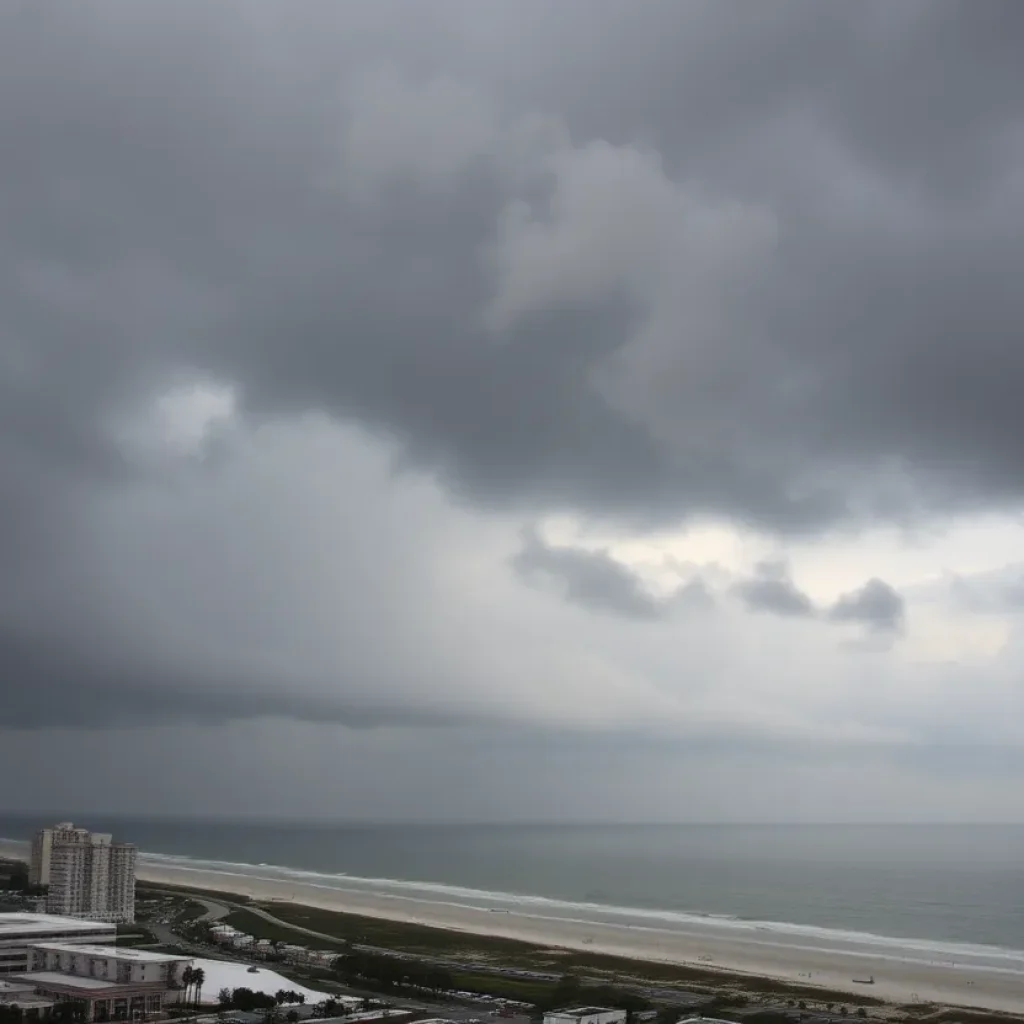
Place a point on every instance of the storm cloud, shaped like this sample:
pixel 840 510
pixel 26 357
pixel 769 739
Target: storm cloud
pixel 374 364
pixel 792 304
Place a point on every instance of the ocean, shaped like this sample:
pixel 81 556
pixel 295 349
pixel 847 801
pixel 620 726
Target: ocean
pixel 935 892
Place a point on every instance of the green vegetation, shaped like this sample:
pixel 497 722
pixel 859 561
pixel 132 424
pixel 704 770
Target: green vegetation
pixel 261 928
pixel 186 912
pixel 518 989
pixel 246 1000
pixel 150 890
pixel 398 935
pixel 387 973
pixel 14 878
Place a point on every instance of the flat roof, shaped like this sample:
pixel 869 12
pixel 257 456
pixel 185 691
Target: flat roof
pixel 581 1011
pixel 11 986
pixel 69 980
pixel 110 952
pixel 17 924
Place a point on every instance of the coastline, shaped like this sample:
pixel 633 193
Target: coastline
pixel 896 979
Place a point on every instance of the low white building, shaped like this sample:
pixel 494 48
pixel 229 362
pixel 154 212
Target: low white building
pixel 323 957
pixel 19 931
pixel 112 963
pixel 109 982
pixel 586 1015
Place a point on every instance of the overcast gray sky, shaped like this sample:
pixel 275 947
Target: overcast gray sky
pixel 513 409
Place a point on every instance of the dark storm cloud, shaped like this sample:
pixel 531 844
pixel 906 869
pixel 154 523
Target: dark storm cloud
pixel 174 201
pixel 184 220
pixel 596 580
pixel 772 590
pixel 82 687
pixel 875 605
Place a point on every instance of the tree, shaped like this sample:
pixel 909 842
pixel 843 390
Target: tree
pixel 198 977
pixel 68 1011
pixel 224 998
pixel 292 1016
pixel 246 1000
pixel 186 980
pixel 861 1012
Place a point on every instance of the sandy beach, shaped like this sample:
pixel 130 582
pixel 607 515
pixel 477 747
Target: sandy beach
pixel 896 979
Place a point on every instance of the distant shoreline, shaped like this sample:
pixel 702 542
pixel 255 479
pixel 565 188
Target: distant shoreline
pixel 895 981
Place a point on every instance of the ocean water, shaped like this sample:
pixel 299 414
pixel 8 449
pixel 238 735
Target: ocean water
pixel 952 893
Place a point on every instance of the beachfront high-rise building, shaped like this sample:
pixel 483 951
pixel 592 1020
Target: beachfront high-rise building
pixel 89 875
pixel 42 845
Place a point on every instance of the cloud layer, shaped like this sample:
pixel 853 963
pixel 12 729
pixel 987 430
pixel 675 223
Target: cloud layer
pixel 386 367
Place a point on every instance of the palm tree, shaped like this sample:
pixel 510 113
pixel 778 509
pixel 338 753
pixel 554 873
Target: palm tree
pixel 198 977
pixel 186 980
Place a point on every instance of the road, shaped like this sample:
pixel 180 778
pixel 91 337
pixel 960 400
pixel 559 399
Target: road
pixel 214 911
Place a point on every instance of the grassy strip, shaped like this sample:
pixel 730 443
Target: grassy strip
pixel 152 890
pixel 261 928
pixel 412 938
pixel 504 988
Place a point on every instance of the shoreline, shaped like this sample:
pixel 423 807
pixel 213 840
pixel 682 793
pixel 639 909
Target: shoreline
pixel 897 981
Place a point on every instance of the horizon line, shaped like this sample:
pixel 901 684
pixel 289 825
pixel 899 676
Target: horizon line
pixel 258 819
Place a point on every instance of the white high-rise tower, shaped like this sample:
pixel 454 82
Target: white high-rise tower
pixel 89 875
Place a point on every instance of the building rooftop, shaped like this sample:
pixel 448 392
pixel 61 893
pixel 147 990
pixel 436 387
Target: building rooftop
pixel 109 952
pixel 47 978
pixel 705 1020
pixel 19 924
pixel 11 986
pixel 581 1011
